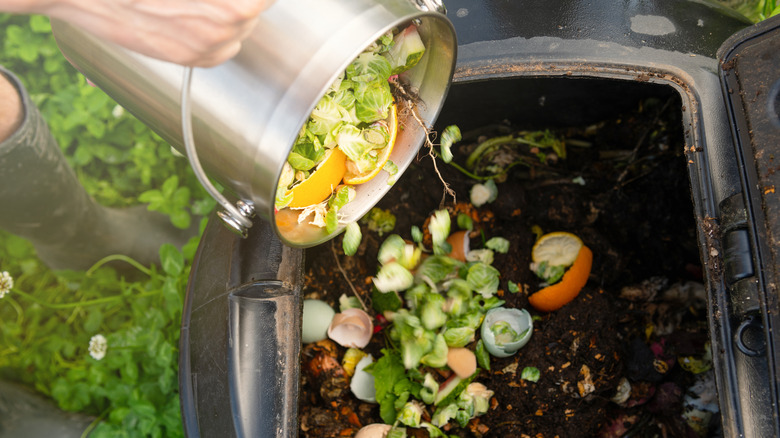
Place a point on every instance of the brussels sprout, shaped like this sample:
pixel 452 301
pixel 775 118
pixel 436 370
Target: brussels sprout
pixel 459 336
pixel 432 311
pixel 406 51
pixel 395 248
pixel 411 414
pixel 483 279
pixel 439 227
pixel 393 277
pixel 437 357
pixel 430 388
pixel 483 193
pixel 369 67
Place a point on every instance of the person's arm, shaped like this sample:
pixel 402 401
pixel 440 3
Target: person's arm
pixel 11 111
pixel 200 33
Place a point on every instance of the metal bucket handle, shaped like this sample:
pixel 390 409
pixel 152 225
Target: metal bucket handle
pixel 236 217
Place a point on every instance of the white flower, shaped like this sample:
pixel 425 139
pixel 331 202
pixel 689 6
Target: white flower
pixel 117 112
pixel 6 283
pixel 98 346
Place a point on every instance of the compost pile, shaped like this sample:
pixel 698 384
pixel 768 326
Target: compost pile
pixel 629 356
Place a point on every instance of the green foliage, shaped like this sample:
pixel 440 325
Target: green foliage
pixel 48 318
pixel 115 156
pixel 755 10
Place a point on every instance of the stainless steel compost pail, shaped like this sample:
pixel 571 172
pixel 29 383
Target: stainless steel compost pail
pixel 247 112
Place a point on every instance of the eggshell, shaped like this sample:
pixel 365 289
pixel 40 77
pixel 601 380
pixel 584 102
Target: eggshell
pixel 459 241
pixel 376 430
pixel 317 316
pixel 520 321
pixel 362 384
pixel 351 328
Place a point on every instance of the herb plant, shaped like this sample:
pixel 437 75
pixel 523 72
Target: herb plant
pixel 103 342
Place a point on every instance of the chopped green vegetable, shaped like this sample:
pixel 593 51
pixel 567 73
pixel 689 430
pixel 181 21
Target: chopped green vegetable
pixel 372 103
pixel 437 357
pixel 384 302
pixel 444 414
pixel 352 238
pixel 503 333
pixel 393 277
pixel 369 67
pixel 435 269
pixel 439 227
pixel 429 388
pixel 411 414
pixel 483 193
pixel 483 278
pixel 346 302
pixel 465 222
pixel 550 274
pixel 530 374
pixel 498 244
pixel 485 256
pixel 395 248
pixel 450 136
pixel 512 287
pixel 459 336
pixel 432 311
pixel 417 234
pixel 396 432
pixel 392 169
pixel 406 51
pixel 483 357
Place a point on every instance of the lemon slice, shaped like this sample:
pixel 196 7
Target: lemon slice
pixel 351 177
pixel 557 249
pixel 320 184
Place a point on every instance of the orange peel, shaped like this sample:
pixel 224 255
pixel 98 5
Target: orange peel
pixel 555 296
pixel 320 184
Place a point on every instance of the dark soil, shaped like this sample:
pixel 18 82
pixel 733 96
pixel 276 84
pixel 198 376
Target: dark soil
pixel 634 211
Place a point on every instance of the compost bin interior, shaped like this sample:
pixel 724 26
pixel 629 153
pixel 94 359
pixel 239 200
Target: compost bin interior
pixel 641 320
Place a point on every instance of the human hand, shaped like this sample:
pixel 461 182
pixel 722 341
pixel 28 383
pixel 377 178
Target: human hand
pixel 200 33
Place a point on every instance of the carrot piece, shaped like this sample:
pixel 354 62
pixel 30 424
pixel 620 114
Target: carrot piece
pixel 555 296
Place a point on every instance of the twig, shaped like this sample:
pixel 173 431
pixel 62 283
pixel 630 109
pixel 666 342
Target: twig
pixel 408 98
pixel 428 143
pixel 344 274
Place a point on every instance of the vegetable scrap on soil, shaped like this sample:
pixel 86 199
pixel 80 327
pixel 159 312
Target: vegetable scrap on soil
pixel 627 356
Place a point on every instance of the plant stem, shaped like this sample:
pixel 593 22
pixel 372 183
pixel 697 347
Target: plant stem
pixel 19 311
pixel 118 257
pixel 79 303
pixel 94 424
pixel 346 277
pixel 495 141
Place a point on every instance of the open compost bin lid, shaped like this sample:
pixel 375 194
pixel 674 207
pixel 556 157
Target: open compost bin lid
pixel 750 76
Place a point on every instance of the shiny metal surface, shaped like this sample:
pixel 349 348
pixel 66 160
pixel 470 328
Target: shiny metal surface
pixel 263 353
pixel 247 112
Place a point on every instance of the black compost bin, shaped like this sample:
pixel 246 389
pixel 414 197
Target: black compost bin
pixel 547 63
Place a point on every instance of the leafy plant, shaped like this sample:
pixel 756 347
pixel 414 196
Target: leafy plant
pixel 756 10
pixel 114 155
pixel 52 324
